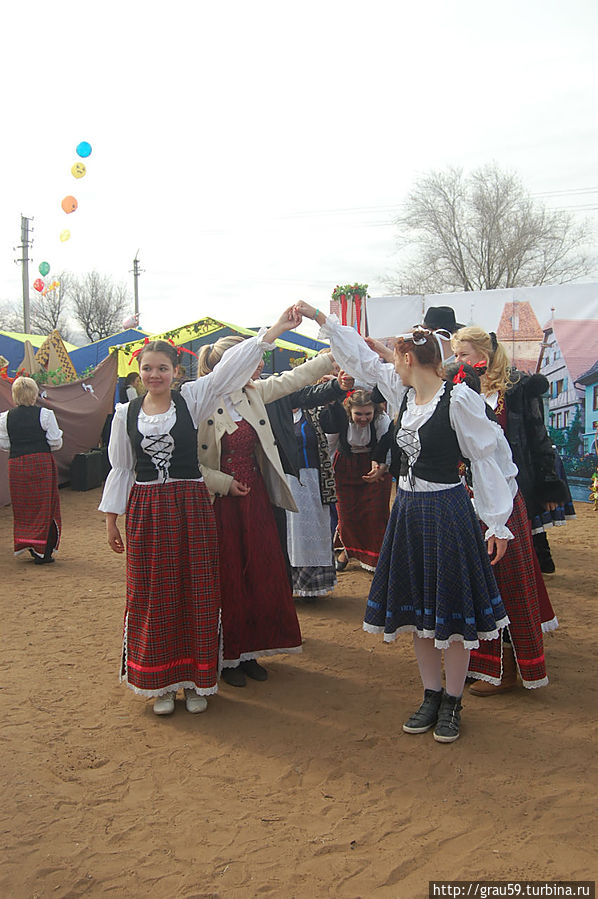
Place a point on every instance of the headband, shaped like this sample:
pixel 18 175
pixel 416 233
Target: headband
pixel 177 349
pixel 440 334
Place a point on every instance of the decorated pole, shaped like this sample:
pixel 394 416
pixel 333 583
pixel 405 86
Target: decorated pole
pixel 352 307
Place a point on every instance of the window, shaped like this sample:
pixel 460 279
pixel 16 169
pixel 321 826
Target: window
pixel 565 419
pixel 595 403
pixel 558 419
pixel 559 389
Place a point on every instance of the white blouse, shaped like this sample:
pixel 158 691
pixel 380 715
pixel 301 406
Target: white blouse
pixel 201 396
pixel 47 420
pixel 358 438
pixel 480 440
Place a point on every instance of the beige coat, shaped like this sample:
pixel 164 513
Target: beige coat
pixel 250 402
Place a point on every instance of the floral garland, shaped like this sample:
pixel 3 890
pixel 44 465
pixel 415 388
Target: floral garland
pixel 356 292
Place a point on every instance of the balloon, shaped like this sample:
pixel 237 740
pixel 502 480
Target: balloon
pixel 38 284
pixel 69 204
pixel 78 170
pixel 44 268
pixel 65 235
pixel 83 149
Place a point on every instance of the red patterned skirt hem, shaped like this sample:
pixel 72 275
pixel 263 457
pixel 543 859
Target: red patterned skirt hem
pixel 34 511
pixel 171 634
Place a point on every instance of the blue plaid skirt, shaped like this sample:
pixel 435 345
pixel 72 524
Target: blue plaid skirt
pixel 433 575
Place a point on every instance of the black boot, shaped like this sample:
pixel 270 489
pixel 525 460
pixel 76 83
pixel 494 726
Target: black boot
pixel 234 677
pixel 254 670
pixel 427 714
pixel 449 718
pixel 542 548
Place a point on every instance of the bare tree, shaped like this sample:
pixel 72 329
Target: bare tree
pixel 49 311
pixel 11 317
pixel 482 232
pixel 98 304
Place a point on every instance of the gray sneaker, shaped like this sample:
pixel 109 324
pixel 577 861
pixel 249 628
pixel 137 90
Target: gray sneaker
pixel 427 715
pixel 449 719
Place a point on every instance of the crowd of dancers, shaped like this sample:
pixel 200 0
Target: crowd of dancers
pixel 239 490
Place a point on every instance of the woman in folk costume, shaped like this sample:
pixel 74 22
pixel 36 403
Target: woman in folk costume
pixel 236 445
pixel 171 631
pixel 31 434
pixel 354 429
pixel 514 398
pixel 434 575
pixel 309 533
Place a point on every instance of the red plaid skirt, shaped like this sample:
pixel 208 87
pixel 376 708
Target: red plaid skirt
pixel 171 633
pixel 363 508
pixel 258 611
pixel 516 578
pixel 33 482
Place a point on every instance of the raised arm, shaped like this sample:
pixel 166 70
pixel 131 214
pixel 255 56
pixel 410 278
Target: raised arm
pixel 234 369
pixel 355 357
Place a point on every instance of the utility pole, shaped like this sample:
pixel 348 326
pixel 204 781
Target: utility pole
pixel 136 272
pixel 26 242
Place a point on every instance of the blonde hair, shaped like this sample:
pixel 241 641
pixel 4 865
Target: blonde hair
pixel 25 391
pixel 498 371
pixel 211 354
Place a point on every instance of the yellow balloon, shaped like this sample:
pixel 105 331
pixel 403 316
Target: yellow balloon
pixel 65 235
pixel 78 170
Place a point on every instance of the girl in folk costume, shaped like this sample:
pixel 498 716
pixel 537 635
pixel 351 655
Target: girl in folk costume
pixel 434 576
pixel 354 428
pixel 31 434
pixel 236 445
pixel 513 397
pixel 171 632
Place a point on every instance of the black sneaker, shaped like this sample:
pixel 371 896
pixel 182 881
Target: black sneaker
pixel 449 718
pixel 427 714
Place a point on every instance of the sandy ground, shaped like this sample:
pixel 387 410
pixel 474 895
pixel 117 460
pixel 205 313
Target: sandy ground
pixel 303 786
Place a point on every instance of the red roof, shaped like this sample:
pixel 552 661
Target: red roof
pixel 528 327
pixel 578 342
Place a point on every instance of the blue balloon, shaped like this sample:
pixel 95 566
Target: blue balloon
pixel 83 149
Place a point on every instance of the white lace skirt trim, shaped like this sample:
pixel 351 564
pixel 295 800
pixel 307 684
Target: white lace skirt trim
pixel 171 688
pixel 430 635
pixel 533 684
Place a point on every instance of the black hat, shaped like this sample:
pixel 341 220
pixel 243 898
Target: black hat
pixel 442 318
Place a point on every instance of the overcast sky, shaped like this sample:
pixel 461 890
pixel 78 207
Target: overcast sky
pixel 256 153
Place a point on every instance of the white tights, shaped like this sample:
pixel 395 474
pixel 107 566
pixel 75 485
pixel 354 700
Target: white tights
pixel 429 660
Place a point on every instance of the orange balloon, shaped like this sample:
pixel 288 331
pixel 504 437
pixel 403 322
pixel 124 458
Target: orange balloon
pixel 69 204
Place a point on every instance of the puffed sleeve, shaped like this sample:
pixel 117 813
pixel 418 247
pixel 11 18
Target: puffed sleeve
pixel 356 358
pixel 4 438
pixel 382 425
pixel 48 422
pixel 122 475
pixel 232 372
pixel 492 469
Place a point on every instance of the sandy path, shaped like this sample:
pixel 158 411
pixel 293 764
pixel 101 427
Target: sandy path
pixel 304 786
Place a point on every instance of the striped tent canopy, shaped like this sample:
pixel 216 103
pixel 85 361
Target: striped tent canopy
pixel 287 355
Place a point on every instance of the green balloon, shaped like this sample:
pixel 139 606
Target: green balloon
pixel 44 268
